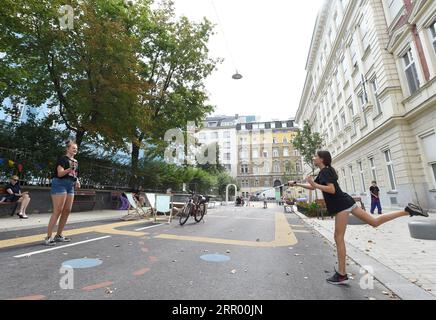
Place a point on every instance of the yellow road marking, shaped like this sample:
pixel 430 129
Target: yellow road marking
pixel 284 236
pixel 109 228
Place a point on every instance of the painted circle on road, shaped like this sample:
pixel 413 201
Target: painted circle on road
pixel 215 258
pixel 82 263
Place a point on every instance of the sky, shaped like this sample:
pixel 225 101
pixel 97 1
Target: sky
pixel 267 42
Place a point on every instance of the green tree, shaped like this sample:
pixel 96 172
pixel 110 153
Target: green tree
pixel 88 74
pixel 307 142
pixel 174 64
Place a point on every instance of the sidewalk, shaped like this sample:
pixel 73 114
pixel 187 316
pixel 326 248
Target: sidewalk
pixel 41 220
pixel 390 245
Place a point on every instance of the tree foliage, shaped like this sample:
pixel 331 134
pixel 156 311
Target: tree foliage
pixel 307 142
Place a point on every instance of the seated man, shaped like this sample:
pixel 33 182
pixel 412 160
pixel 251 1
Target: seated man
pixel 14 194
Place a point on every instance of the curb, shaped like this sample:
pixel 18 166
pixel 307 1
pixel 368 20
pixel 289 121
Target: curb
pixel 392 280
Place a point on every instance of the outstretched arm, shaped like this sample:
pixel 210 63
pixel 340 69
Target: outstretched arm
pixel 329 188
pixel 302 185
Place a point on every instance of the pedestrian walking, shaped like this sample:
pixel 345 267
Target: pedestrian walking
pixel 340 205
pixel 64 182
pixel 265 202
pixel 375 198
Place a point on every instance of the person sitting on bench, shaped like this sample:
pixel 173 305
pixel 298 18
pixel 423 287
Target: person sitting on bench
pixel 14 194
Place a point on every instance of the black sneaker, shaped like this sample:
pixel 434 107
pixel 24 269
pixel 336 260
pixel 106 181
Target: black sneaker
pixel 415 210
pixel 338 279
pixel 59 238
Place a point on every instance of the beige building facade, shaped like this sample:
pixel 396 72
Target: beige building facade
pixel 371 92
pixel 266 157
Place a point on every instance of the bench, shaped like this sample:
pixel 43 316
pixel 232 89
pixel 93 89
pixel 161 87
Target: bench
pixel 89 196
pixel 14 205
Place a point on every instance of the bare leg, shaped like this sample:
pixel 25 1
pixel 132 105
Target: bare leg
pixel 24 204
pixel 58 204
pixel 377 221
pixel 341 221
pixel 65 213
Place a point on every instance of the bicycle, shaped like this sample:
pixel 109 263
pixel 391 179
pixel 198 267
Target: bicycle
pixel 195 206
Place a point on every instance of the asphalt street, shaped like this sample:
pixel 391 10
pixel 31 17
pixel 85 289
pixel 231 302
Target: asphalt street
pixel 236 253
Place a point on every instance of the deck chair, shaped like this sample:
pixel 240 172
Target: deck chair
pixel 138 211
pixel 163 204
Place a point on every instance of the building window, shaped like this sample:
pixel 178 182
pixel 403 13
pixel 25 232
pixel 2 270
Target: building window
pixel 276 153
pixel 287 167
pixel 394 6
pixel 433 35
pixel 266 169
pixel 343 119
pixel 411 73
pixel 274 140
pixel 345 179
pixel 286 152
pixel 373 169
pixel 428 143
pixel 353 53
pixel 277 167
pixel 265 153
pixel 298 167
pixel 228 167
pixel 362 175
pixel 256 182
pixel 266 183
pixel 353 182
pixel 344 69
pixel 244 168
pixel 285 141
pixel 390 169
pixel 374 89
pixel 227 156
pixel 364 32
pixel 255 153
pixel 226 134
pixel 227 145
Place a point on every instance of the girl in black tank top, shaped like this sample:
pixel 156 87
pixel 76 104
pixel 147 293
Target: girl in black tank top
pixel 340 204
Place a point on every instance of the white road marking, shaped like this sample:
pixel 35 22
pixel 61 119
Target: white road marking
pixel 60 247
pixel 156 225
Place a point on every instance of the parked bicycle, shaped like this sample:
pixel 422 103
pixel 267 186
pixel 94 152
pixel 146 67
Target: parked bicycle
pixel 195 206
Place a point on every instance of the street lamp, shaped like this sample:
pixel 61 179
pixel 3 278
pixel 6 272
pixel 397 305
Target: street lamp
pixel 237 76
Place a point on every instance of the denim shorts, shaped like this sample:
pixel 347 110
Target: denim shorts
pixel 62 186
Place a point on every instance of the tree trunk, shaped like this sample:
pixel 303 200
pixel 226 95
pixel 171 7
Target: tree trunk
pixel 135 161
pixel 79 137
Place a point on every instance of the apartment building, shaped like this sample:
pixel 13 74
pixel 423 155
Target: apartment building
pixel 266 157
pixel 222 130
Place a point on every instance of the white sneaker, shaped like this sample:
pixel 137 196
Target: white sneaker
pixel 49 242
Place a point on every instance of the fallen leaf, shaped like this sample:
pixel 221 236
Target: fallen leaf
pixel 116 245
pixel 385 293
pixel 228 251
pixel 233 271
pixel 257 240
pixel 306 278
pixel 109 291
pixel 371 298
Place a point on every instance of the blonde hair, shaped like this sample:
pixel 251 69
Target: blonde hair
pixel 69 143
pixel 14 177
